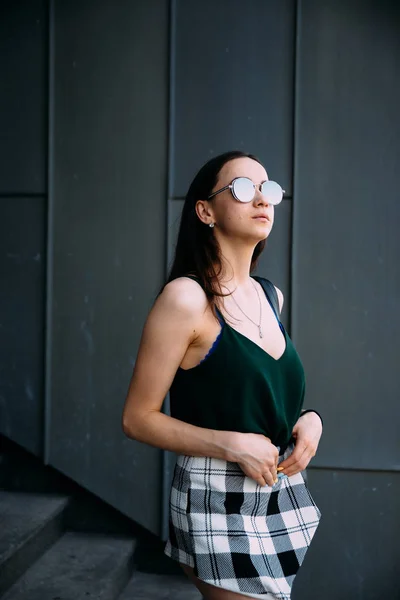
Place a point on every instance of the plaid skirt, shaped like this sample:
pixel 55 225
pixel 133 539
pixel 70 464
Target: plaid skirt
pixel 236 534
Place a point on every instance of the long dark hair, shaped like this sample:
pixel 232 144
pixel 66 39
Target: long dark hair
pixel 197 251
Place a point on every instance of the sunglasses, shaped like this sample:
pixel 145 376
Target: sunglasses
pixel 244 190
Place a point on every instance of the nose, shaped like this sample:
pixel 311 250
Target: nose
pixel 259 198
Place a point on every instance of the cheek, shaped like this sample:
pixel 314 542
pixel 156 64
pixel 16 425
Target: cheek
pixel 235 215
pixel 229 212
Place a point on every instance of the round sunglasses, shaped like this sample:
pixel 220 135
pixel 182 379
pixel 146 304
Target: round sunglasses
pixel 244 190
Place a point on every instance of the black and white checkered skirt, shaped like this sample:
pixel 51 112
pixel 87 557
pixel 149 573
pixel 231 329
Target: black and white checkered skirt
pixel 236 534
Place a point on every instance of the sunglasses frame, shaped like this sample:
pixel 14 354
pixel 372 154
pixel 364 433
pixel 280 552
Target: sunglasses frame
pixel 230 186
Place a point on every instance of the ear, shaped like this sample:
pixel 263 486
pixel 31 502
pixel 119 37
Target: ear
pixel 204 212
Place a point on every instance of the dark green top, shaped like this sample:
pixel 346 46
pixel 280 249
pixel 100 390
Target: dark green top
pixel 240 387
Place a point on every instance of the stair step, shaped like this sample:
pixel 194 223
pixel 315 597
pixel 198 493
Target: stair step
pixel 77 567
pixel 29 524
pixel 146 586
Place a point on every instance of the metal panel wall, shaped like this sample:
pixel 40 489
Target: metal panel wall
pixel 354 553
pixel 108 230
pixel 23 156
pixel 23 100
pixel 22 296
pixel 346 284
pixel 233 77
pixel 346 289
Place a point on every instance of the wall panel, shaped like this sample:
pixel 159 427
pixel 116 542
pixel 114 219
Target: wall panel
pixel 109 214
pixel 22 297
pixel 353 555
pixel 233 85
pixel 346 281
pixel 23 98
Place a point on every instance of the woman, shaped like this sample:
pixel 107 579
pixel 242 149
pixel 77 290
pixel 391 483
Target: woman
pixel 241 515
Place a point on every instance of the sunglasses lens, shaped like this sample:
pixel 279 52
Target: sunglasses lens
pixel 243 189
pixel 272 191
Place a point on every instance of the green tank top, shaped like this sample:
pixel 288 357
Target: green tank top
pixel 240 387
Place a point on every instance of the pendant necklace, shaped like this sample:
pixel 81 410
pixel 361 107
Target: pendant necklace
pixel 247 316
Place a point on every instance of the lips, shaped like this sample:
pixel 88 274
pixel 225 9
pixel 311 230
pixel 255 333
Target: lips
pixel 262 217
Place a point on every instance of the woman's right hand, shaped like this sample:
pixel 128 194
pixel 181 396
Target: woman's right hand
pixel 257 457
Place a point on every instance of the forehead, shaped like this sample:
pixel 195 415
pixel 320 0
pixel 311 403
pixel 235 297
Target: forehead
pixel 242 167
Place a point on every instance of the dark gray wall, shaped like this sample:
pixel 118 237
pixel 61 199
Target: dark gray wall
pixel 346 281
pixel 354 552
pixel 231 91
pixel 108 204
pixel 23 213
pixel 346 287
pixel 23 98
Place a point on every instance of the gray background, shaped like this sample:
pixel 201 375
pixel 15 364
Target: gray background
pixel 107 110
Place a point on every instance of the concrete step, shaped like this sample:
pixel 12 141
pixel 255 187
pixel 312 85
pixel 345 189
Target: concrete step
pixel 77 567
pixel 146 586
pixel 29 524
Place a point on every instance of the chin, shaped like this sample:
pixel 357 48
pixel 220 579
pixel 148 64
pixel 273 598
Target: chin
pixel 263 229
pixel 260 237
pixel 265 237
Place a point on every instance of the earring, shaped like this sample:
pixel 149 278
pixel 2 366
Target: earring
pixel 211 225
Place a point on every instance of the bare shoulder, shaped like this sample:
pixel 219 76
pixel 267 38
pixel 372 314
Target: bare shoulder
pixel 280 298
pixel 184 296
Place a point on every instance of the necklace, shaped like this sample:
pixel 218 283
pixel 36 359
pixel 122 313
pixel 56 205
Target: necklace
pixel 247 316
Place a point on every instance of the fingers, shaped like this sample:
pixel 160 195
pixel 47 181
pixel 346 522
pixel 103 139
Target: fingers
pixel 271 475
pixel 295 457
pixel 265 473
pixel 265 479
pixel 273 470
pixel 270 478
pixel 298 465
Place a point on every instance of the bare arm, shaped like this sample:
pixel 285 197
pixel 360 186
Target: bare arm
pixel 172 325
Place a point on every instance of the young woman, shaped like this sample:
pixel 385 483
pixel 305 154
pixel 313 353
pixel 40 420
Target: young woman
pixel 241 515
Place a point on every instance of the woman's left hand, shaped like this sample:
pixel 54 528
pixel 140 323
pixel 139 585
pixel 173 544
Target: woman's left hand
pixel 307 433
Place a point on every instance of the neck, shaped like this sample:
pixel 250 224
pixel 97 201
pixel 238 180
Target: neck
pixel 236 261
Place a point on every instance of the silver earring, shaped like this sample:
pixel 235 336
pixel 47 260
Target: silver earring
pixel 211 225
